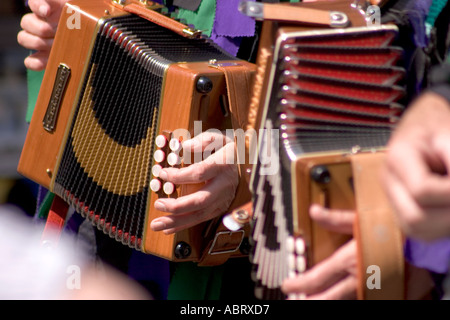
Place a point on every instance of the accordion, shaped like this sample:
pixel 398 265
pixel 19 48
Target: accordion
pixel 328 92
pixel 124 86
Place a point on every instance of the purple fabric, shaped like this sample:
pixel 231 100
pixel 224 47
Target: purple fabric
pixel 230 22
pixel 230 26
pixel 433 256
pixel 229 44
pixel 418 11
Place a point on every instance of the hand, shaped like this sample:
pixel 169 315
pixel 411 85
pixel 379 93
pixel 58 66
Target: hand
pixel 221 181
pixel 39 30
pixel 335 277
pixel 416 173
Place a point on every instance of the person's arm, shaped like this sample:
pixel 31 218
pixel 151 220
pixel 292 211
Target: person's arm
pixel 416 172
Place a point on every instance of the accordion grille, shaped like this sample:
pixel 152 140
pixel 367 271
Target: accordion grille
pixel 104 170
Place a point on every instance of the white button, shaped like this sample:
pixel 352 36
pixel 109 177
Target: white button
pixel 231 224
pixel 173 159
pixel 300 246
pixel 174 145
pixel 160 141
pixel 156 170
pixel 301 264
pixel 290 244
pixel 155 185
pixel 291 262
pixel 159 156
pixel 168 188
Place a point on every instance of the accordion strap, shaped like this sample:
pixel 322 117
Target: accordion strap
pixel 55 222
pixel 381 264
pixel 238 79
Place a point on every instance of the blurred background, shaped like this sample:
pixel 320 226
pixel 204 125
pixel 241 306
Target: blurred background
pixel 14 189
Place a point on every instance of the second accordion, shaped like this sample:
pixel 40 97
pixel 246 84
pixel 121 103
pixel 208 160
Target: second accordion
pixel 328 93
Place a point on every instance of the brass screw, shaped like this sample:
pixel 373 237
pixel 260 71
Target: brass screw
pixel 49 172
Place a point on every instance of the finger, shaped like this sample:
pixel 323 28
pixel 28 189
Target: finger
pixel 40 7
pixel 47 8
pixel 37 26
pixel 410 216
pixel 333 219
pixel 438 185
pixel 32 42
pixel 345 289
pixel 37 61
pixel 203 140
pixel 216 193
pixel 425 186
pixel 175 223
pixel 195 173
pixel 326 273
pixel 204 170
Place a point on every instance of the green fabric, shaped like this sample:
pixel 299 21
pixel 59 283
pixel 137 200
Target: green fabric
pixel 202 18
pixel 34 79
pixel 190 282
pixel 45 205
pixel 435 9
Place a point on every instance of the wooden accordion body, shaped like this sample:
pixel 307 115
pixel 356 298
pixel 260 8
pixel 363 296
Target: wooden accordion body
pixel 111 87
pixel 327 96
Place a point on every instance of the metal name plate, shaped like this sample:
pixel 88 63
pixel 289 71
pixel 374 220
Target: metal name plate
pixel 62 76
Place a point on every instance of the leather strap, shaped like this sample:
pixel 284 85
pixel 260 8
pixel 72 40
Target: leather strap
pixel 55 222
pixel 225 243
pixel 291 13
pixel 161 20
pixel 287 13
pixel 239 80
pixel 379 239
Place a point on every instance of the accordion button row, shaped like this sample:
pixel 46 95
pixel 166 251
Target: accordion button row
pixel 156 186
pixel 296 260
pixel 296 255
pixel 174 144
pixel 172 159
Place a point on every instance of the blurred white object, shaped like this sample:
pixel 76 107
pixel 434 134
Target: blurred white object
pixel 30 270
